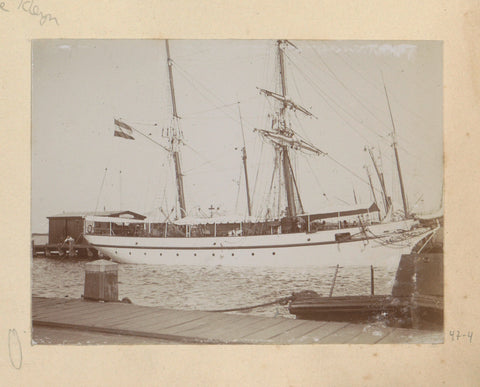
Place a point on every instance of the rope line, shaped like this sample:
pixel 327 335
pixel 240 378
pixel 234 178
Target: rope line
pixel 281 301
pixel 101 188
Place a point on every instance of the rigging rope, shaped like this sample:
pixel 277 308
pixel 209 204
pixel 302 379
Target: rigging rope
pixel 193 82
pixel 352 172
pixel 258 170
pixel 389 241
pixel 348 90
pixel 384 138
pixel 143 123
pixel 239 183
pixel 152 140
pixel 120 189
pixel 101 188
pixel 187 116
pixel 349 64
pixel 316 178
pixel 281 301
pixel 326 98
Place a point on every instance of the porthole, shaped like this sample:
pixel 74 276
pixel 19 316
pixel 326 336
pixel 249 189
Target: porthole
pixel 160 254
pixel 144 253
pixel 177 254
pixel 253 253
pixel 116 252
pixel 213 254
pixel 233 254
pixel 136 243
pixel 194 254
pixel 308 240
pixel 273 252
pixel 129 253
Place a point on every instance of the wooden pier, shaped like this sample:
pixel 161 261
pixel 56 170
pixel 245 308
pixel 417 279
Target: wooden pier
pixel 76 250
pixel 177 326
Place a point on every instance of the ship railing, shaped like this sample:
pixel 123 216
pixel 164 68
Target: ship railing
pixel 138 228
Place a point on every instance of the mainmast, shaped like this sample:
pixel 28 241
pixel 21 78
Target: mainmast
pixel 285 130
pixel 175 138
pixel 284 138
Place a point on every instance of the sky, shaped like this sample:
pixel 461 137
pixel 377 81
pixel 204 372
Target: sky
pixel 80 86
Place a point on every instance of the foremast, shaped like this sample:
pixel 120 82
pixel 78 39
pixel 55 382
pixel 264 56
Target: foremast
pixel 284 137
pixel 175 137
pixel 244 161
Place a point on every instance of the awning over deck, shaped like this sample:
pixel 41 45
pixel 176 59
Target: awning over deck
pixel 332 213
pixel 104 214
pixel 111 219
pixel 342 212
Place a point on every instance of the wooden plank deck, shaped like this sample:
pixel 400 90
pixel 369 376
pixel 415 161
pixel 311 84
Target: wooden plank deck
pixel 210 327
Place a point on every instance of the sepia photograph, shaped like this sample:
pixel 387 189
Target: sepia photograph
pixel 237 192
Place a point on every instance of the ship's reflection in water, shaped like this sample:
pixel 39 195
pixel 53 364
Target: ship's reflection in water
pixel 212 287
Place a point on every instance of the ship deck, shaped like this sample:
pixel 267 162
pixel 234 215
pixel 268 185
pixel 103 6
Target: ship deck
pixel 143 324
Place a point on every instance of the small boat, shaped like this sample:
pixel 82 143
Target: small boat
pixel 416 300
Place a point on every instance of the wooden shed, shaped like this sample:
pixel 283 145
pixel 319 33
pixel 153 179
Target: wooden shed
pixel 72 224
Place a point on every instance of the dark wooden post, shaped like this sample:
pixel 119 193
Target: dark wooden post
pixel 71 251
pixel 334 280
pixel 101 281
pixel 372 281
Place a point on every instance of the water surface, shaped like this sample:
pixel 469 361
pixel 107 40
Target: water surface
pixel 209 287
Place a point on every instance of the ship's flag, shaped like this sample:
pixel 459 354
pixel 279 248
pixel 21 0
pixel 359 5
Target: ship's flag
pixel 123 130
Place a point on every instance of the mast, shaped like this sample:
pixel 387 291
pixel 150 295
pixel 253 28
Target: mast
pixel 394 135
pixel 287 172
pixel 287 176
pixel 244 159
pixel 283 137
pixel 402 188
pixel 175 138
pixel 371 186
pixel 386 199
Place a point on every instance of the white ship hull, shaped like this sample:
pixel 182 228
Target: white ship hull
pixel 382 245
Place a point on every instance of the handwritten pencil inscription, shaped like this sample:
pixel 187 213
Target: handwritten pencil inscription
pixel 457 335
pixel 30 7
pixel 14 349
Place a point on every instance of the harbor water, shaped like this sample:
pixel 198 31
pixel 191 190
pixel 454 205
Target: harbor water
pixel 210 287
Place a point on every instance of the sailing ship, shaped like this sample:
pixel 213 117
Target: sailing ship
pixel 358 235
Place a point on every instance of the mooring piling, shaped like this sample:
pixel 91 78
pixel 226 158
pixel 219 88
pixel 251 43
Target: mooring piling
pixel 101 281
